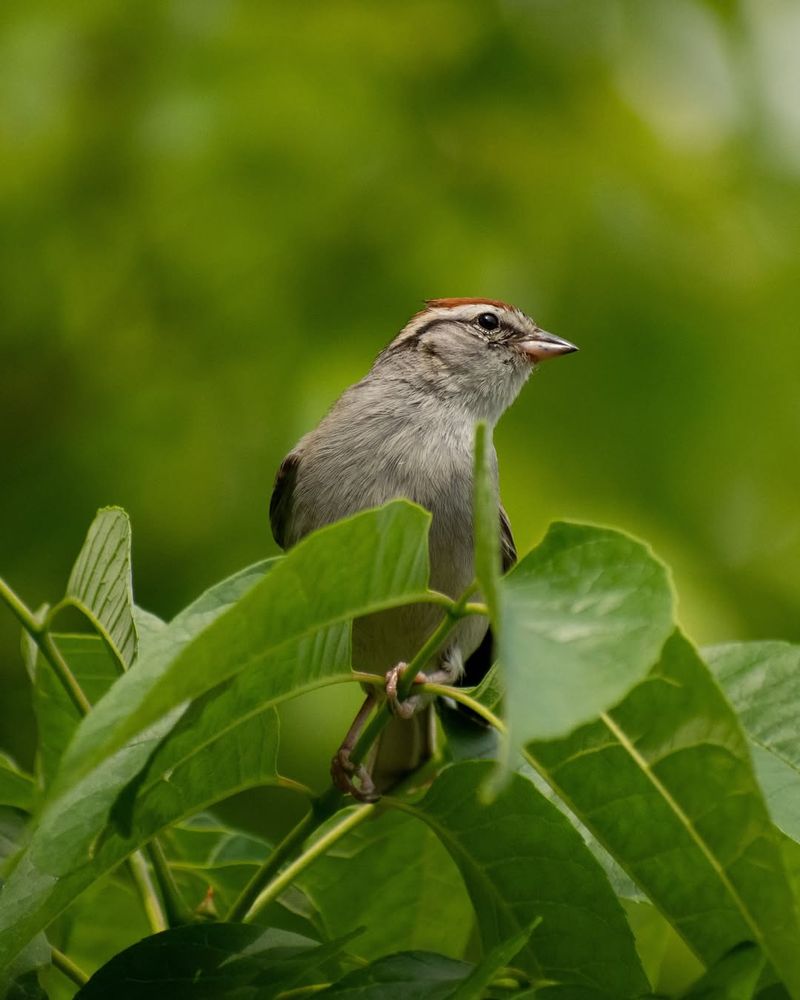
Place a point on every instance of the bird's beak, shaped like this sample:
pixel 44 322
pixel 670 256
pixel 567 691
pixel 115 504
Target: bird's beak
pixel 541 345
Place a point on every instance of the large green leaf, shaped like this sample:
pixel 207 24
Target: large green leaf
pixel 100 582
pixel 410 975
pixel 375 560
pixel 584 618
pixel 211 962
pixel 57 716
pixel 521 859
pixel 212 863
pixel 225 742
pixel 20 980
pixel 665 782
pixel 91 661
pixel 104 920
pixel 392 877
pixel 16 787
pixel 14 828
pixel 734 977
pixel 762 681
pixel 492 964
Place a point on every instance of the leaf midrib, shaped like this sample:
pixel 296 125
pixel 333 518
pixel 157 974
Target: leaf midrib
pixel 687 824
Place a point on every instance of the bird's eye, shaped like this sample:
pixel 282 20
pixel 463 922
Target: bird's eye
pixel 488 321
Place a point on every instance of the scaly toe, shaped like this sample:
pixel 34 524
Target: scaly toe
pixel 343 770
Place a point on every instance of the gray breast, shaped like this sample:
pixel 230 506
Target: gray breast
pixel 361 457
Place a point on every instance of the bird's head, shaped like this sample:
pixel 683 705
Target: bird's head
pixel 476 352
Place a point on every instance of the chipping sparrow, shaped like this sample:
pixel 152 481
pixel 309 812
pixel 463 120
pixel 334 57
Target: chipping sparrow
pixel 407 430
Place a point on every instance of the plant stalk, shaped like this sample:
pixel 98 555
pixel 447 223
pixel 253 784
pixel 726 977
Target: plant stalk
pixel 318 848
pixel 175 909
pixel 66 966
pixel 140 873
pixel 322 808
pixel 41 636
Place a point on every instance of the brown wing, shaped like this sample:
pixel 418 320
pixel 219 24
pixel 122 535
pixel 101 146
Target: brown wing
pixel 508 549
pixel 280 504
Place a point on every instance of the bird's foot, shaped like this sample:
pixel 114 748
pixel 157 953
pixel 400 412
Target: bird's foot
pixel 408 706
pixel 343 771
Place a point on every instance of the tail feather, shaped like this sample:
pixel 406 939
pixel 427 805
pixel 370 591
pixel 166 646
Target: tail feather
pixel 403 746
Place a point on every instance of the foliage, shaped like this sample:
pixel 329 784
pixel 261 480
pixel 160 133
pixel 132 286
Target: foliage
pixel 214 214
pixel 645 793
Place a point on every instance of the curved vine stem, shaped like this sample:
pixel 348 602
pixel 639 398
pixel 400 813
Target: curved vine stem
pixel 41 636
pixel 67 967
pixel 461 696
pixel 318 848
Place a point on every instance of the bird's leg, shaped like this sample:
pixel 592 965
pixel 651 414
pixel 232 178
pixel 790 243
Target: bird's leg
pixel 408 706
pixel 403 709
pixel 343 770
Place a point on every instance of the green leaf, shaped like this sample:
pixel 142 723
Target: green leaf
pixel 13 832
pixel 57 717
pixel 391 876
pixel 92 664
pixel 584 618
pixel 225 743
pixel 16 787
pixel 206 855
pixel 734 977
pixel 410 975
pixel 375 560
pixel 20 980
pixel 664 781
pixel 486 524
pixel 215 961
pixel 520 859
pixel 493 963
pixel 762 681
pixel 100 581
pixel 101 922
pixel 95 669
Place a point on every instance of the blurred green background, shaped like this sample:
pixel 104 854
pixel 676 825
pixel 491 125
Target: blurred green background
pixel 214 213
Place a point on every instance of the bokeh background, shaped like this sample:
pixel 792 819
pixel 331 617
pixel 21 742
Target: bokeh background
pixel 214 213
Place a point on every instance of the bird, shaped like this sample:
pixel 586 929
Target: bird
pixel 406 430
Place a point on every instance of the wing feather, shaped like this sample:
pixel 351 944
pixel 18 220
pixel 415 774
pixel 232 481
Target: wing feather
pixel 280 504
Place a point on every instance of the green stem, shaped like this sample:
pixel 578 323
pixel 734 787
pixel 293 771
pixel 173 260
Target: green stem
pixel 94 621
pixel 458 694
pixel 453 615
pixel 26 617
pixel 176 910
pixel 319 847
pixel 52 654
pixel 68 967
pixel 137 866
pixel 41 636
pixel 322 808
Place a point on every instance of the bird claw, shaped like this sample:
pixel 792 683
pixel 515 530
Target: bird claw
pixel 408 706
pixel 343 770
